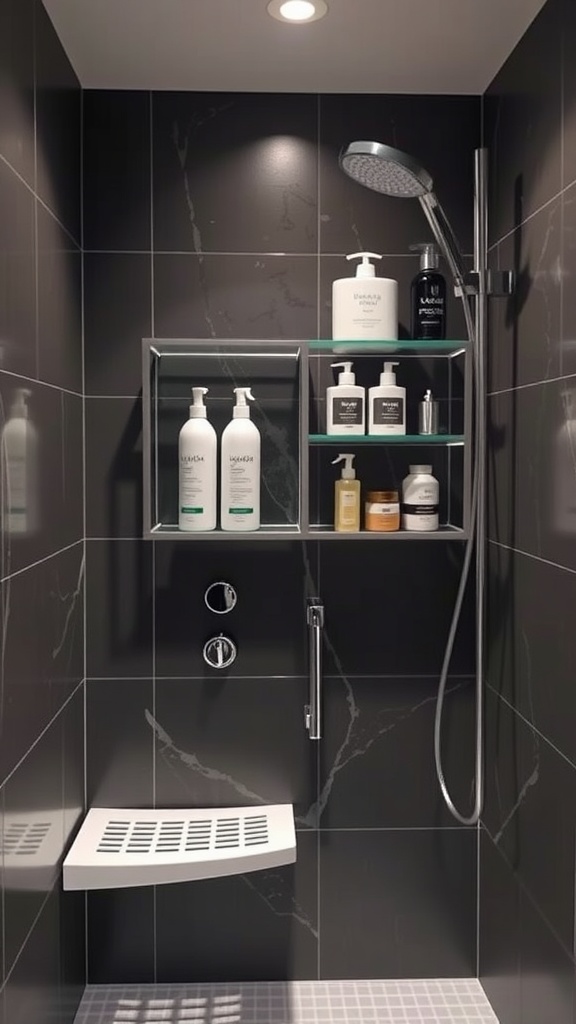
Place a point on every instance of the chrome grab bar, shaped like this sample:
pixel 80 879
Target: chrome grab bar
pixel 313 710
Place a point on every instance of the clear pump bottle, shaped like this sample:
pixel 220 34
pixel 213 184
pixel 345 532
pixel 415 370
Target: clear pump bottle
pixel 346 497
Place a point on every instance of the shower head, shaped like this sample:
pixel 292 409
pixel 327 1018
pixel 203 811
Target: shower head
pixel 385 170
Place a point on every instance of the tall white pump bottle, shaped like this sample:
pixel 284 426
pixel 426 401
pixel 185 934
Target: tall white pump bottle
pixel 197 475
pixel 240 492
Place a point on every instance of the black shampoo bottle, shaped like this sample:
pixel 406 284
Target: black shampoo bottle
pixel 428 295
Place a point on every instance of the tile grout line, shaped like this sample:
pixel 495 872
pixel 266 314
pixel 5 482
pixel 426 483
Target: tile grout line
pixel 34 192
pixel 85 620
pixel 533 727
pixel 528 554
pixel 33 565
pixel 43 383
pixel 531 384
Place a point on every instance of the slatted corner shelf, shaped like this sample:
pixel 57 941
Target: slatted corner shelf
pixel 119 848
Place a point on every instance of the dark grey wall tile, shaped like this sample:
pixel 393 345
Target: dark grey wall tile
pixel 568 273
pixel 58 126
pixel 269 629
pixel 117 312
pixel 525 343
pixel 532 477
pixel 531 642
pixel 59 305
pixel 534 831
pixel 236 742
pixel 234 172
pixel 522 126
pixel 52 517
pixel 499 932
pixel 423 881
pixel 47 603
pixel 114 499
pixel 119 608
pixel 426 127
pixel 267 929
pixel 17 276
pixel 72 904
pixel 367 633
pixel 119 743
pixel 32 992
pixel 382 728
pixel 569 91
pixel 116 139
pixel 121 936
pixel 235 296
pixel 547 972
pixel 17 85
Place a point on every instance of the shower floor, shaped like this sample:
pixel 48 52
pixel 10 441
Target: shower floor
pixel 459 1000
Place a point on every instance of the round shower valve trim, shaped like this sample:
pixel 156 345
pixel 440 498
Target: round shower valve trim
pixel 220 652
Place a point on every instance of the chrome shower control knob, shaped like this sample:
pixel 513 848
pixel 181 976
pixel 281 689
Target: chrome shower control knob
pixel 220 652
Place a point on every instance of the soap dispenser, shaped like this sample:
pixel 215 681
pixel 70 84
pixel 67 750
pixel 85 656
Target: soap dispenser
pixel 365 307
pixel 240 468
pixel 346 497
pixel 387 405
pixel 197 456
pixel 428 296
pixel 345 401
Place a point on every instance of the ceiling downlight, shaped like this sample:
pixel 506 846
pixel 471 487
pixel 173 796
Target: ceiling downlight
pixel 297 12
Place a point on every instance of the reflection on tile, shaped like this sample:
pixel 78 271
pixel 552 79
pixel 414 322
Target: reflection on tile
pixel 267 928
pixel 121 936
pixel 568 268
pixel 569 92
pixel 17 86
pixel 499 932
pixel 114 459
pixel 410 911
pixel 212 749
pixel 235 173
pixel 59 305
pixel 17 276
pixel 547 971
pixel 117 310
pixel 116 139
pixel 32 992
pixel 45 602
pixel 119 608
pixel 119 743
pixel 235 296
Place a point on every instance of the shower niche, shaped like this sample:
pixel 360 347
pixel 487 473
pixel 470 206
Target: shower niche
pixel 289 381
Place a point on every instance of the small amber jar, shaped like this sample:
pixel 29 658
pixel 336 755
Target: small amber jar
pixel 382 511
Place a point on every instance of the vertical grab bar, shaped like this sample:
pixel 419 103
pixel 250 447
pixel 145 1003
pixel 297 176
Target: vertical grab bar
pixel 313 710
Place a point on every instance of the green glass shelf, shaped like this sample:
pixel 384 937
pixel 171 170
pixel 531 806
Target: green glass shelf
pixel 388 347
pixel 414 439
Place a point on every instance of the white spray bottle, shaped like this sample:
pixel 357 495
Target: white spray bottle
pixel 240 492
pixel 197 457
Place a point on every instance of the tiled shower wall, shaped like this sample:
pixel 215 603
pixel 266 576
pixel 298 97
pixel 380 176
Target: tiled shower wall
pixel 527 846
pixel 227 216
pixel 41 562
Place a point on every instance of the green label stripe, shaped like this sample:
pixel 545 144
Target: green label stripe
pixel 191 511
pixel 240 511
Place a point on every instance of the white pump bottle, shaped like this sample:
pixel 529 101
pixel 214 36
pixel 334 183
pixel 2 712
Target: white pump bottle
pixel 197 458
pixel 20 451
pixel 365 307
pixel 387 405
pixel 345 402
pixel 240 492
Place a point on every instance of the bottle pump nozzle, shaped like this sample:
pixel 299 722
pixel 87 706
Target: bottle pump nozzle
pixel 19 408
pixel 388 377
pixel 364 269
pixel 241 409
pixel 198 409
pixel 429 255
pixel 347 376
pixel 348 472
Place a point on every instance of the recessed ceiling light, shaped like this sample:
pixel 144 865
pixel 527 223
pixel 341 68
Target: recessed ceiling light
pixel 297 11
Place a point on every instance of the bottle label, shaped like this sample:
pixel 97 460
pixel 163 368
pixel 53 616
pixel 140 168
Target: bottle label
pixel 388 410
pixel 347 411
pixel 348 508
pixel 190 511
pixel 419 510
pixel 374 508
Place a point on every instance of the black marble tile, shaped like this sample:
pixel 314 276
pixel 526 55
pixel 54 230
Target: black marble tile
pixel 389 607
pixel 568 271
pixel 547 971
pixel 269 627
pixel 17 86
pixel 525 342
pixel 372 729
pixel 410 911
pixel 121 936
pixel 522 126
pixel 72 905
pixel 33 992
pixel 235 172
pixel 260 926
pixel 440 132
pixel 116 138
pixel 50 517
pixel 499 932
pixel 58 126
pixel 117 311
pixel 114 467
pixel 59 305
pixel 235 296
pixel 531 471
pixel 43 657
pixel 569 92
pixel 529 813
pixel 17 276
pixel 531 614
pixel 119 608
pixel 234 743
pixel 119 743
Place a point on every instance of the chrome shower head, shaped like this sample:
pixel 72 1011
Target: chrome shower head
pixel 385 170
